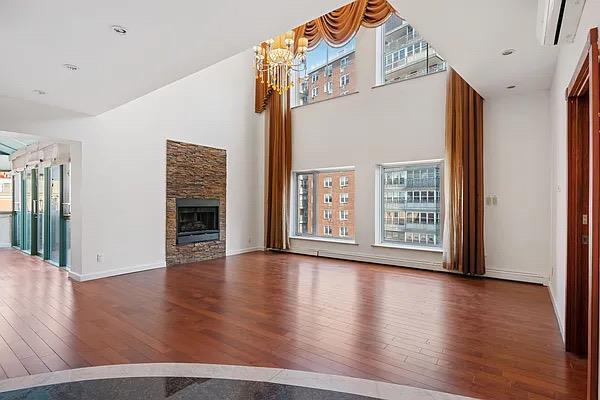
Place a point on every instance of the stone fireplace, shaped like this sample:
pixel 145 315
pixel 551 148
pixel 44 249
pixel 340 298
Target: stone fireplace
pixel 196 188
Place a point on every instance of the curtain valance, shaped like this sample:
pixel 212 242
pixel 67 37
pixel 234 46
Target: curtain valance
pixel 336 28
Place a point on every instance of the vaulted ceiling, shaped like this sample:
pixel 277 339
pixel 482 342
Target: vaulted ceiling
pixel 167 40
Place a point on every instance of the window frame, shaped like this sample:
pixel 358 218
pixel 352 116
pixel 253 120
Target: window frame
pixel 293 220
pixel 410 216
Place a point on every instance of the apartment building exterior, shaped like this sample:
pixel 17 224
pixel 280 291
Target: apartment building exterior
pixel 332 79
pixel 405 53
pixel 411 205
pixel 5 192
pixel 305 205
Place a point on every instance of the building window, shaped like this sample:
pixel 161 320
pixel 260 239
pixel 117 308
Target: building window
pixel 344 181
pixel 315 92
pixel 344 80
pixel 5 192
pixel 402 53
pixel 344 63
pixel 410 204
pixel 344 215
pixel 327 61
pixel 318 185
pixel 343 231
pixel 344 198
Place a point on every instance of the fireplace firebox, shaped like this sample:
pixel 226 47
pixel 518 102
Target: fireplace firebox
pixel 197 220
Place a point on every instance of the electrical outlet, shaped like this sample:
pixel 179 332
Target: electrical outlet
pixel 99 258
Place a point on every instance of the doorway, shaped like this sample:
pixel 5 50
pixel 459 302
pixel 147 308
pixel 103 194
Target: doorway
pixel 583 211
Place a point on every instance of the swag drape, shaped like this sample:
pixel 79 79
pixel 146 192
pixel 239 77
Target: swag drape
pixel 336 27
pixel 463 227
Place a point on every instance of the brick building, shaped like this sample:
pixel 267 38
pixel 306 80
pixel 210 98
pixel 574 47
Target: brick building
pixel 335 204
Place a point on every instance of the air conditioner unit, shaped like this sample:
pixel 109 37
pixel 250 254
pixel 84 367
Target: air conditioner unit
pixel 558 20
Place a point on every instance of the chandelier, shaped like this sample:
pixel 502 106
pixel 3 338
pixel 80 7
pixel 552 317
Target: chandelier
pixel 276 59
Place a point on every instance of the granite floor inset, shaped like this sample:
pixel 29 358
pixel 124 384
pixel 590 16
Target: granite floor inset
pixel 174 388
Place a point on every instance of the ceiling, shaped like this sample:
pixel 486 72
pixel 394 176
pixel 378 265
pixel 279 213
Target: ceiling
pixel 472 34
pixel 168 40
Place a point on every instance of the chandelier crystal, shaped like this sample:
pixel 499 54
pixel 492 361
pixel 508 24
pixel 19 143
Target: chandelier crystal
pixel 276 59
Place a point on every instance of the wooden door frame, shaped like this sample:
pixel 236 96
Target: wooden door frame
pixel 586 77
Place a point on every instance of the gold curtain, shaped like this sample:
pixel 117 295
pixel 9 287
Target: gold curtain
pixel 279 170
pixel 463 227
pixel 336 28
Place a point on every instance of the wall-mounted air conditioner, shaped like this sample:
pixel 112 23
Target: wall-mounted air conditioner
pixel 558 20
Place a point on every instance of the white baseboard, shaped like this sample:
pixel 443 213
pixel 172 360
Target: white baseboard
pixel 115 272
pixel 519 276
pixel 242 251
pixel 5 245
pixel 557 313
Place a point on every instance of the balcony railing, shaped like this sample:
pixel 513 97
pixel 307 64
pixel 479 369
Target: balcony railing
pixel 411 206
pixel 414 228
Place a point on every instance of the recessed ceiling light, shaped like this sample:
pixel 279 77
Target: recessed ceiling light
pixel 121 30
pixel 511 87
pixel 71 67
pixel 508 52
pixel 39 91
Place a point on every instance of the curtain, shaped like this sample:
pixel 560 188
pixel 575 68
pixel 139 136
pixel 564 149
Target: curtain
pixel 336 27
pixel 463 227
pixel 279 170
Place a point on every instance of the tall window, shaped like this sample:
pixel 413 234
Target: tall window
pixel 403 53
pixel 410 199
pixel 5 192
pixel 332 214
pixel 325 66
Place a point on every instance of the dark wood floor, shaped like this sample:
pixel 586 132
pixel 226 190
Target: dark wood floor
pixel 483 338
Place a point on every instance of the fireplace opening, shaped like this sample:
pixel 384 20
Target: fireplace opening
pixel 197 220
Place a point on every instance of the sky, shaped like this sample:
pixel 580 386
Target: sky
pixel 319 55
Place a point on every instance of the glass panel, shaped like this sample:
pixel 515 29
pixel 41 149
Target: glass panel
pixel 28 212
pixel 330 72
pixel 411 204
pixel 18 214
pixel 54 228
pixel 325 204
pixel 67 210
pixel 405 54
pixel 41 196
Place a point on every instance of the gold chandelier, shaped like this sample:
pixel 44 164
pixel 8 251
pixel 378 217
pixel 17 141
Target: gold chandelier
pixel 276 59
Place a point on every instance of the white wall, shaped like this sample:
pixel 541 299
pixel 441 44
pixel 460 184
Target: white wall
pixel 517 170
pixel 567 61
pixel 406 121
pixel 122 162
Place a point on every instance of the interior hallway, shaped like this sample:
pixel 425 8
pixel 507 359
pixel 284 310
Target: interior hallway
pixel 482 338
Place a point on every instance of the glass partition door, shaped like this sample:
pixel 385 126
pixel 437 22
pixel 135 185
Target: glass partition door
pixel 40 213
pixel 27 182
pixel 17 211
pixel 54 242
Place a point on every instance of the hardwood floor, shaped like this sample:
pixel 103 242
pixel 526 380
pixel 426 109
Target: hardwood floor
pixel 478 337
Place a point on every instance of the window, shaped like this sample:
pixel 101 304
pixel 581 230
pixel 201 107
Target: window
pixel 321 61
pixel 402 53
pixel 343 231
pixel 410 202
pixel 314 194
pixel 343 215
pixel 344 181
pixel 344 62
pixel 344 80
pixel 5 192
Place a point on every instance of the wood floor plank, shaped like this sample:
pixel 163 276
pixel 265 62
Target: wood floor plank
pixel 484 338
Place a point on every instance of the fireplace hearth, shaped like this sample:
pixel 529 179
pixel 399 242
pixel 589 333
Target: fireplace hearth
pixel 197 220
